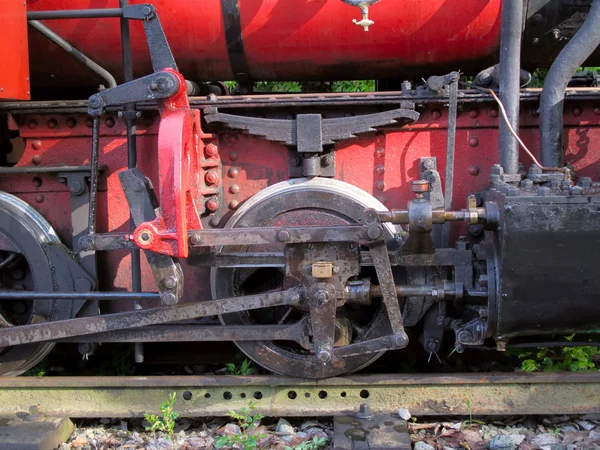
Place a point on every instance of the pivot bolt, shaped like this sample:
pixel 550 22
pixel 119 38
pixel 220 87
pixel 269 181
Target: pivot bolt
pixel 324 356
pixel 170 282
pixel 94 102
pixel 295 297
pixel 145 238
pixel 374 232
pixel 283 236
pixel 195 239
pixel 400 340
pixel 169 299
pixel 83 285
pixel 76 188
pixel 322 296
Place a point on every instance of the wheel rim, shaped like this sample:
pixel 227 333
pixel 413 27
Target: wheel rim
pixel 24 232
pixel 298 202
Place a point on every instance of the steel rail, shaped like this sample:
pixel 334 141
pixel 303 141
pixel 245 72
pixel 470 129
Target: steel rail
pixel 201 396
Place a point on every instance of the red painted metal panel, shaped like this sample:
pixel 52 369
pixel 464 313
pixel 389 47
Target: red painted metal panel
pixel 14 59
pixel 283 39
pixel 382 164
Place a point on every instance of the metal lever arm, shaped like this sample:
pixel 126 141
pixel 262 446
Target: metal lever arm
pixel 178 141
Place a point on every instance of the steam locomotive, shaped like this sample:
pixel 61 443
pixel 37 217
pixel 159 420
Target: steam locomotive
pixel 139 196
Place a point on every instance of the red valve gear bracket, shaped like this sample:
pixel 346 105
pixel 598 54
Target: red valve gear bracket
pixel 178 161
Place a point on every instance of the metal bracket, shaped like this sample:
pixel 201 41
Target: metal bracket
pixel 156 86
pixel 435 195
pixel 80 206
pixel 142 204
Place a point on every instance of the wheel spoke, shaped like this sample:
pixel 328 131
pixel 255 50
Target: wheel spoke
pixel 8 260
pixel 285 316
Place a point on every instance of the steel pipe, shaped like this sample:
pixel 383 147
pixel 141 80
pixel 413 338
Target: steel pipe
pixel 78 55
pixel 579 48
pixel 75 14
pixel 510 82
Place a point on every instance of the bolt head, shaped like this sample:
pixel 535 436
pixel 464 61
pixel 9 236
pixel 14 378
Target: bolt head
pixel 374 232
pixel 283 236
pixel 212 205
pixel 324 356
pixel 76 188
pixel 83 285
pixel 322 296
pixel 328 160
pixel 428 164
pixel 211 177
pixel 170 282
pixel 211 150
pixel 400 340
pixel 473 171
pixel 295 297
pixel 195 239
pixel 169 299
pixel 94 102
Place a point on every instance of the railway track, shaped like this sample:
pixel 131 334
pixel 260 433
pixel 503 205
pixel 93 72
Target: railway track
pixel 200 396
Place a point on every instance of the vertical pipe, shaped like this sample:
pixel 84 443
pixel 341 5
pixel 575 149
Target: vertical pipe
pixel 510 85
pixel 579 48
pixel 450 152
pixel 136 272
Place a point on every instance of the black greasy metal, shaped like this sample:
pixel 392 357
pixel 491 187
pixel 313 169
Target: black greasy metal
pixel 47 169
pixel 94 173
pixel 297 333
pixel 545 257
pixel 78 55
pixel 50 331
pixel 75 14
pixel 79 205
pixel 129 116
pixel 160 51
pixel 381 261
pixel 230 11
pixel 166 270
pixel 8 295
pixel 155 86
pixel 579 48
pixel 510 82
pixel 23 236
pixel 332 130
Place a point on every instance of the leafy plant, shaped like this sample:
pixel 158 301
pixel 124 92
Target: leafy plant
pixel 166 423
pixel 38 371
pixel 353 86
pixel 572 359
pixel 246 421
pixel 245 368
pixel 471 421
pixel 315 444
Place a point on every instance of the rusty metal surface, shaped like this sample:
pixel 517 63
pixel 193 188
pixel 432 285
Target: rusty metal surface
pixel 422 395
